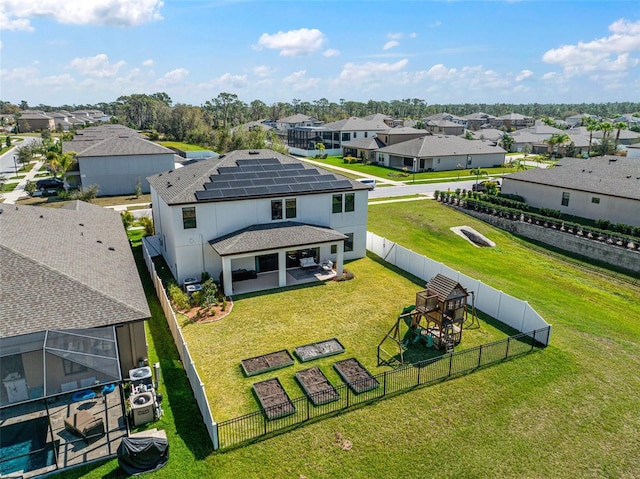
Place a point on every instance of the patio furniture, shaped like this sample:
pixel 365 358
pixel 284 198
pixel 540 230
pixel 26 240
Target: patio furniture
pixel 326 265
pixel 85 425
pixel 70 386
pixel 308 262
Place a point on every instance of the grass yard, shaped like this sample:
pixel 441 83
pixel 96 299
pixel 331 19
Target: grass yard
pixel 181 146
pixel 56 202
pixel 569 411
pixel 358 313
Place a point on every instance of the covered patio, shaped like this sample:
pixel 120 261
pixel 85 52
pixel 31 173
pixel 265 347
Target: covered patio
pixel 277 255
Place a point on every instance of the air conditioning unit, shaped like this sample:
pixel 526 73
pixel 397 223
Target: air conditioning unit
pixel 142 408
pixel 140 376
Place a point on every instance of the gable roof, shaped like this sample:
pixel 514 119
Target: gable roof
pixel 298 118
pixel 66 268
pixel 607 175
pixel 119 146
pixel 445 288
pixel 272 236
pixel 479 116
pixel 542 129
pixel 371 143
pixel 356 124
pixel 246 174
pixel 443 116
pixel 440 145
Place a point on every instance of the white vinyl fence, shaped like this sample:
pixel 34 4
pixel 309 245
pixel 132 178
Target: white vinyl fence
pixel 197 386
pixel 505 308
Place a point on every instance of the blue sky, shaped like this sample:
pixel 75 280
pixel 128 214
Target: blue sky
pixel 88 51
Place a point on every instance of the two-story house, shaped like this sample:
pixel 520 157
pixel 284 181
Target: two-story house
pixel 255 212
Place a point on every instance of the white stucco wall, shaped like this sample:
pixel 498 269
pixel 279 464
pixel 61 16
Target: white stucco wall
pixel 188 253
pixel 616 210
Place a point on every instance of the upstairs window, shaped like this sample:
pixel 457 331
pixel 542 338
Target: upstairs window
pixel 348 243
pixel 276 209
pixel 565 199
pixel 337 203
pixel 349 202
pixel 595 200
pixel 189 217
pixel 290 208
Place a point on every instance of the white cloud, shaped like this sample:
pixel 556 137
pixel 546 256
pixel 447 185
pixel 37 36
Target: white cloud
pixel 148 63
pixel 413 35
pixel 18 75
pixel 16 14
pixel 390 44
pixel 299 81
pixel 263 70
pixel 331 52
pixel 394 36
pixel 549 76
pixel 174 76
pixel 98 66
pixel 363 71
pixel 440 72
pixel 610 53
pixel 226 82
pixel 523 75
pixel 293 42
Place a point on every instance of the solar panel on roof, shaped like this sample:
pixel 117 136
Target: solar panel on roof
pixel 208 195
pixel 217 185
pixel 233 192
pixel 263 181
pixel 257 190
pixel 279 189
pixel 293 166
pixel 240 183
pixel 281 181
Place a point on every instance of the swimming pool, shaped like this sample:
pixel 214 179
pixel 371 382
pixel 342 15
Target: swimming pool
pixel 23 446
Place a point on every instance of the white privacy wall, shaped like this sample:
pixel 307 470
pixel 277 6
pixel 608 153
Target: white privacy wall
pixel 505 308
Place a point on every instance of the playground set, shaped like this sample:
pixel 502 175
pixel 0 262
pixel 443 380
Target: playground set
pixel 437 319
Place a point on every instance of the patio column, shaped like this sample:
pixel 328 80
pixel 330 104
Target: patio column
pixel 227 278
pixel 340 258
pixel 282 268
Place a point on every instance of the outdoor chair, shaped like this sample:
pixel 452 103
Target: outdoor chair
pixel 85 425
pixel 326 265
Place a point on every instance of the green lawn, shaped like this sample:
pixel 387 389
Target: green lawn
pixel 569 411
pixel 181 146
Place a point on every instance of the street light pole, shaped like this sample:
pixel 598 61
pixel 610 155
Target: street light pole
pixel 415 163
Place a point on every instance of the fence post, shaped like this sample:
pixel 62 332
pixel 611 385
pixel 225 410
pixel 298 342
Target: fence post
pixel 348 390
pixel 450 364
pixel 480 356
pixel 533 340
pixel 384 383
pixel 506 353
pixel 264 420
pixel 308 401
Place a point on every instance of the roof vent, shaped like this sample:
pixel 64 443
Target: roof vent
pixel 98 241
pixel 111 248
pixel 81 224
pixel 253 152
pixel 628 176
pixel 41 216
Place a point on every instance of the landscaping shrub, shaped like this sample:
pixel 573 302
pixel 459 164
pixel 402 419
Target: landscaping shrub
pixel 603 224
pixel 209 296
pixel 179 297
pixel 127 219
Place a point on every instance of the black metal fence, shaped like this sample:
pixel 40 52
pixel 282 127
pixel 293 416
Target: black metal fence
pixel 256 424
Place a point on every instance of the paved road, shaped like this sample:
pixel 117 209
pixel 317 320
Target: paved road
pixel 7 165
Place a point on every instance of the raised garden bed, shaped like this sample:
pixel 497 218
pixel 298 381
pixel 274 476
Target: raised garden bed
pixel 316 386
pixel 355 375
pixel 266 362
pixel 321 349
pixel 273 399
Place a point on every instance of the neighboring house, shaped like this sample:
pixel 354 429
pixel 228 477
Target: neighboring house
pixel 438 153
pixel 29 121
pixel 302 140
pixel 628 118
pixel 258 212
pixel 523 140
pixel 513 121
pixel 388 120
pixel 296 121
pixel 633 151
pixel 438 117
pixel 444 127
pixel 597 188
pixel 541 130
pixel 116 158
pixel 366 148
pixel 490 134
pixel 476 121
pixel 627 137
pixel 72 314
pixel 264 125
pixel 578 120
pixel 91 116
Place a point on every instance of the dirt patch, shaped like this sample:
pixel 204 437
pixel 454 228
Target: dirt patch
pixel 266 362
pixel 355 375
pixel 316 386
pixel 317 350
pixel 273 399
pixel 208 315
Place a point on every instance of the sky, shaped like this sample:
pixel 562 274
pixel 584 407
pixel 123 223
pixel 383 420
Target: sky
pixel 76 52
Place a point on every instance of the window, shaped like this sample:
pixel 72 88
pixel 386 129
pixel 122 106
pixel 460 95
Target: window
pixel 349 202
pixel 334 248
pixel 290 208
pixel 565 199
pixel 276 209
pixel 348 243
pixel 337 203
pixel 355 135
pixel 70 367
pixel 366 134
pixel 346 136
pixel 438 160
pixel 595 200
pixel 189 217
pixel 469 160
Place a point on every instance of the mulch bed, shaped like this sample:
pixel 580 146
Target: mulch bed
pixel 273 399
pixel 321 349
pixel 355 375
pixel 266 362
pixel 316 386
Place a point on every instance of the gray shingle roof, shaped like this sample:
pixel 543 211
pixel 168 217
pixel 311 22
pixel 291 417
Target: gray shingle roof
pixel 372 143
pixel 118 146
pixel 440 145
pixel 180 186
pixel 608 175
pixel 65 268
pixel 356 124
pixel 288 234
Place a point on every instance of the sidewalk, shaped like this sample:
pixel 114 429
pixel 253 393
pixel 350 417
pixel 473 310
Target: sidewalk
pixel 346 170
pixel 12 196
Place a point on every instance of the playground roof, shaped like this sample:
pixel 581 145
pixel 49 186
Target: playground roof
pixel 445 288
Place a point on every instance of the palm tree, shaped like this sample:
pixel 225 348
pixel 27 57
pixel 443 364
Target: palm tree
pixel 606 128
pixel 557 140
pixel 591 126
pixel 60 163
pixel 507 141
pixel 619 126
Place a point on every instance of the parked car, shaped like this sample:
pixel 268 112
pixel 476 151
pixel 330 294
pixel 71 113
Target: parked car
pixel 49 184
pixel 482 186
